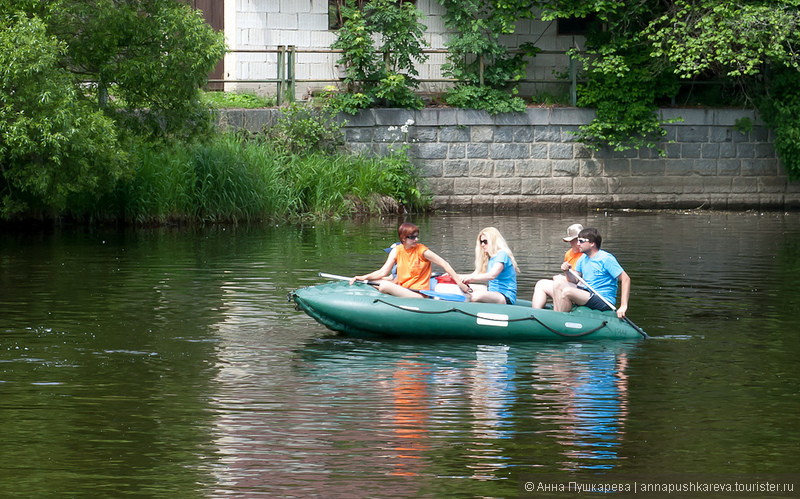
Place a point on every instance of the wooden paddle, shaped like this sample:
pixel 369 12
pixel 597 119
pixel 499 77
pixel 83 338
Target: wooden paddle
pixel 611 305
pixel 423 292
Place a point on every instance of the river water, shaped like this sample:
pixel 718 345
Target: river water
pixel 169 362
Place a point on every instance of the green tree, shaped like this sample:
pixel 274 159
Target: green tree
pixel 476 53
pixel 624 91
pixel 53 144
pixel 727 38
pixel 487 70
pixel 386 73
pixel 359 57
pixel 639 54
pixel 623 83
pixel 150 55
pixel 754 43
pixel 80 80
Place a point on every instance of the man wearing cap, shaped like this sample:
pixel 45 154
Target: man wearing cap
pixel 544 287
pixel 601 271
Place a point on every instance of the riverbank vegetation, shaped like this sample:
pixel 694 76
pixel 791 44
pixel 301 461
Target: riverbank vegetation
pixel 101 115
pixel 235 178
pixel 102 119
pixel 295 168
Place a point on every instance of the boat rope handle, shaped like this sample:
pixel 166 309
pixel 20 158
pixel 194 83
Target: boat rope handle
pixel 532 317
pixel 578 335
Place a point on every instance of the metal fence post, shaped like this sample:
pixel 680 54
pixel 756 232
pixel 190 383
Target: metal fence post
pixel 281 74
pixel 290 74
pixel 573 82
pixel 573 76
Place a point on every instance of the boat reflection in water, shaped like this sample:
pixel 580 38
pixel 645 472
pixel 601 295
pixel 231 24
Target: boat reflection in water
pixel 496 402
pixel 393 410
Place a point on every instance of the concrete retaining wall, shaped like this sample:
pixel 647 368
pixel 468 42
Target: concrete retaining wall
pixel 531 161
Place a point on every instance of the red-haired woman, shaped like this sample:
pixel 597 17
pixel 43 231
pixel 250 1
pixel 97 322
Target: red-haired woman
pixel 413 261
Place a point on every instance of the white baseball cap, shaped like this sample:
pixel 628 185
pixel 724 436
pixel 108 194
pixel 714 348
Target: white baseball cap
pixel 572 232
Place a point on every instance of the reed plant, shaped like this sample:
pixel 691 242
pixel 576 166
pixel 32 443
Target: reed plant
pixel 229 178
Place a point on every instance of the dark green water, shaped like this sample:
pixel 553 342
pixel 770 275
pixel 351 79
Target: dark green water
pixel 163 363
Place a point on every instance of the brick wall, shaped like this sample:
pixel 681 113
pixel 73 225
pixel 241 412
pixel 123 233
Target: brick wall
pixel 254 25
pixel 531 161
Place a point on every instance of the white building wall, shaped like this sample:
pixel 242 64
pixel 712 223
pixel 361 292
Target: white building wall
pixel 255 28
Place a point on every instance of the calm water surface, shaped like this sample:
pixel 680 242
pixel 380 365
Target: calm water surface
pixel 169 362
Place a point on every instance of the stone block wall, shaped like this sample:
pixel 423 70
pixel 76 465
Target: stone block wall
pixel 531 160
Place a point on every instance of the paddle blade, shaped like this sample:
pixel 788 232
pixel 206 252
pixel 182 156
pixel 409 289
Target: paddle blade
pixel 443 296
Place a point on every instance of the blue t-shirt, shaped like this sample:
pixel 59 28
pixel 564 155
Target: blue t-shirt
pixel 601 273
pixel 506 282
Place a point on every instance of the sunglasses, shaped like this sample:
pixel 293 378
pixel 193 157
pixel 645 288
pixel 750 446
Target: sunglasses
pixel 484 241
pixel 582 240
pixel 413 236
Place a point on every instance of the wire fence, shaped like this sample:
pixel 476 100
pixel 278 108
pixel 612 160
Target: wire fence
pixel 286 81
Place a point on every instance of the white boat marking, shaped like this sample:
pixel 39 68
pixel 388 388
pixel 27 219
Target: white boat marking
pixel 498 320
pixel 573 325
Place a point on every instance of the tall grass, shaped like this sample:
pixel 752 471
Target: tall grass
pixel 219 100
pixel 231 179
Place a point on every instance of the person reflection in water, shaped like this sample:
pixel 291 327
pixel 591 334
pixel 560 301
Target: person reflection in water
pixel 413 261
pixel 585 393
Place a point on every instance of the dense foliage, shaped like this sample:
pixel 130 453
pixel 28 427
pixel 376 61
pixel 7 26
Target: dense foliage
pixel 639 55
pixel 487 70
pixel 102 118
pixel 755 44
pixel 382 75
pixel 53 143
pixel 145 54
pixel 301 128
pixel 727 38
pixel 780 107
pixel 83 82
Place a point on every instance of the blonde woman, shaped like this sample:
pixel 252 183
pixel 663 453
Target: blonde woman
pixel 495 264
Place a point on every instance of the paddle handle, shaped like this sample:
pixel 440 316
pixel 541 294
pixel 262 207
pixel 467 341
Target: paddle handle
pixel 345 278
pixel 582 281
pixel 426 293
pixel 611 305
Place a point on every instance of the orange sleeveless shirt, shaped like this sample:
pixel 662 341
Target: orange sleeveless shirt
pixel 413 269
pixel 572 258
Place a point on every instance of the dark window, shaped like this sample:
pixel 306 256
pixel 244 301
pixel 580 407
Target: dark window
pixel 575 25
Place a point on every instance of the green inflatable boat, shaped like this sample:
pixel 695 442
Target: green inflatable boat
pixel 361 310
